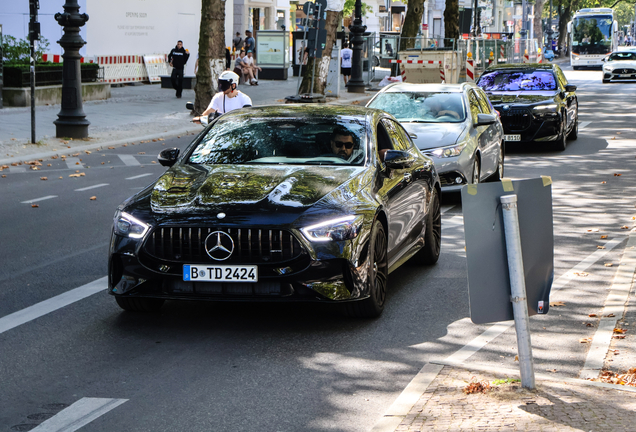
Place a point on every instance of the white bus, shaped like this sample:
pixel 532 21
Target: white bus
pixel 592 34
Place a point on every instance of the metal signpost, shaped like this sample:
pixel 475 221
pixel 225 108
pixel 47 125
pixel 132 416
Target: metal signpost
pixel 34 34
pixel 510 256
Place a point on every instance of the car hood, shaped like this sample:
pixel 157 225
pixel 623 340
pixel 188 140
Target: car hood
pixel 201 189
pixel 432 135
pixel 622 64
pixel 521 97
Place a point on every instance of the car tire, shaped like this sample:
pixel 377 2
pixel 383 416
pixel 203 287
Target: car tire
pixel 606 81
pixel 136 304
pixel 574 133
pixel 476 175
pixel 576 67
pixel 498 175
pixel 376 61
pixel 562 141
pixel 429 254
pixel 372 306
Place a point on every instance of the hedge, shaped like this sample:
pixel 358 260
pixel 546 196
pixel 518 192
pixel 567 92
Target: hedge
pixel 17 74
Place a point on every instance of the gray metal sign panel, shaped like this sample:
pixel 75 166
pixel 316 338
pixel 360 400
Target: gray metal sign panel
pixel 488 279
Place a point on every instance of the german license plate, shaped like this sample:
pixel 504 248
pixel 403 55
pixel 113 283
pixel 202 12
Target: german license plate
pixel 512 137
pixel 216 273
pixel 625 76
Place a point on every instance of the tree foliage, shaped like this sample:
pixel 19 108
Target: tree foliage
pixel 19 51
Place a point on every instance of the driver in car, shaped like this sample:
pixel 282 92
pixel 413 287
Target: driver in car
pixel 343 142
pixel 436 109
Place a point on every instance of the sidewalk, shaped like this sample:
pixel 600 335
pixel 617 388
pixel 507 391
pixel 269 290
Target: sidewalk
pixel 133 113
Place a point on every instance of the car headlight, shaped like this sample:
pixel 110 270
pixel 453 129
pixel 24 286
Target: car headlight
pixel 450 151
pixel 545 109
pixel 343 228
pixel 575 58
pixel 129 226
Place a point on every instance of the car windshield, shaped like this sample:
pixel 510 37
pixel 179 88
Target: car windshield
pixel 424 107
pixel 622 56
pixel 324 140
pixel 526 80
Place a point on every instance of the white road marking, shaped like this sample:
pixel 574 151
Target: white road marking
pixel 91 187
pixel 615 306
pixel 398 410
pixel 74 163
pixel 138 176
pixel 583 124
pixel 17 169
pixel 78 415
pixel 30 313
pixel 128 160
pixel 38 199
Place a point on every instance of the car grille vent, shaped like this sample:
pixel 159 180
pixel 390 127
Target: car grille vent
pixel 516 118
pixel 625 71
pixel 253 246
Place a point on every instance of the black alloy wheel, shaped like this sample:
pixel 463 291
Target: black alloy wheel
pixel 136 304
pixel 574 133
pixel 373 306
pixel 562 141
pixel 429 254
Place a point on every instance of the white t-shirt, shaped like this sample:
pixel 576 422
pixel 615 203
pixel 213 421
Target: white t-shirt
pixel 346 54
pixel 248 60
pixel 223 103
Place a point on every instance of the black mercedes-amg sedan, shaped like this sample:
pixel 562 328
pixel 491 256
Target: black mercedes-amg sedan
pixel 297 203
pixel 535 102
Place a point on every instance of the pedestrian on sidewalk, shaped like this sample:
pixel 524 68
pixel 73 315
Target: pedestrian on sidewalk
pixel 237 42
pixel 228 98
pixel 178 58
pixel 250 43
pixel 346 54
pixel 248 61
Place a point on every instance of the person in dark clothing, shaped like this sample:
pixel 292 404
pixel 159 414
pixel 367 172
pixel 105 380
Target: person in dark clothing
pixel 178 58
pixel 228 59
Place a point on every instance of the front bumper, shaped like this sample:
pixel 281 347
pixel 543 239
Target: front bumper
pixel 531 127
pixel 619 75
pixel 454 172
pixel 333 271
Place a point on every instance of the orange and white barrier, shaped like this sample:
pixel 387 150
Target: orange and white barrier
pixel 442 75
pixel 502 54
pixel 403 73
pixel 526 57
pixel 57 58
pixel 433 62
pixel 122 68
pixel 470 68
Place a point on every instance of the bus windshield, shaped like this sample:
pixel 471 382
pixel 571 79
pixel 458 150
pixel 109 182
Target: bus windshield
pixel 592 35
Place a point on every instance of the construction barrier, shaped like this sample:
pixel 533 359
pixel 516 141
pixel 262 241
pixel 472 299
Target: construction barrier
pixel 433 62
pixel 156 65
pixel 502 53
pixel 470 68
pixel 122 68
pixel 57 58
pixel 442 76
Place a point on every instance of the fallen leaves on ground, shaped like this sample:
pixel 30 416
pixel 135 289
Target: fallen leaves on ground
pixel 588 324
pixel 4 176
pixel 33 163
pixel 49 164
pixel 557 303
pixel 111 148
pixel 603 182
pixel 35 205
pixel 600 247
pixel 628 378
pixel 93 198
pixel 592 230
pixel 477 387
pixel 585 340
pixel 624 227
pixel 619 336
pixel 141 153
pixel 582 274
pixel 75 154
pixel 44 178
pixel 620 330
pixel 592 315
pixel 551 370
pixel 603 237
pixel 617 174
pixel 77 175
pixel 517 357
pixel 608 264
pixel 610 315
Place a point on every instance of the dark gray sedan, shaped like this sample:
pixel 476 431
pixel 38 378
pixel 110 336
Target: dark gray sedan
pixel 454 124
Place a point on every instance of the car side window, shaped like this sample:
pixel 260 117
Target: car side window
pixel 483 101
pixel 399 141
pixel 475 109
pixel 561 77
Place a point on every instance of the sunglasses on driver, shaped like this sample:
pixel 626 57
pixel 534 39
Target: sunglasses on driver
pixel 340 144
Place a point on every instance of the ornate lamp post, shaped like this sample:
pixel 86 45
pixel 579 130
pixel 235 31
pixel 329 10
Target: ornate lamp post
pixel 356 84
pixel 71 120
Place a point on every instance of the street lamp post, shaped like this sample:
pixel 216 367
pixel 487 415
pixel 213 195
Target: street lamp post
pixel 71 120
pixel 356 84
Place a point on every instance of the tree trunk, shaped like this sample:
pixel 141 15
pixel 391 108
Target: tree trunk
pixel 565 14
pixel 412 22
pixel 536 23
pixel 322 63
pixel 211 52
pixel 451 20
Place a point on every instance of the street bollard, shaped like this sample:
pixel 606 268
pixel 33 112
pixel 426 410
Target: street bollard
pixel 518 288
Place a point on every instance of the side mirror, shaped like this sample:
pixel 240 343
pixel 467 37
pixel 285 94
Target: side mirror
pixel 413 136
pixel 190 106
pixel 486 119
pixel 570 88
pixel 398 159
pixel 168 157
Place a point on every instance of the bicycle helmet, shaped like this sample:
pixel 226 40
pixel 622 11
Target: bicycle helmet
pixel 226 79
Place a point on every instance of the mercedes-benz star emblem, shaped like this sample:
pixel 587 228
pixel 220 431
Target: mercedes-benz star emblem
pixel 506 107
pixel 219 245
pixel 220 215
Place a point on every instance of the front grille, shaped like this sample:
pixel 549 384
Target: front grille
pixel 625 71
pixel 516 119
pixel 228 289
pixel 251 246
